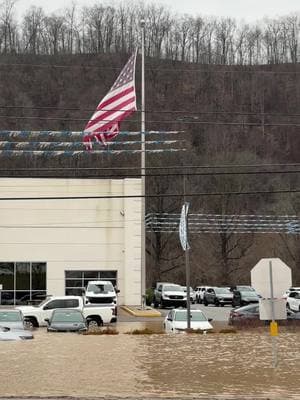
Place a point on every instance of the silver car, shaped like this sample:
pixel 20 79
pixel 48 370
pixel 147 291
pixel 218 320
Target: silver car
pixel 12 326
pixel 66 320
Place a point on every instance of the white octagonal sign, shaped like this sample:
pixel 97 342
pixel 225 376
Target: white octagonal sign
pixel 260 277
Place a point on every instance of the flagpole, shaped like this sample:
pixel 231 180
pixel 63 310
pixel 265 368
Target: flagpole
pixel 143 164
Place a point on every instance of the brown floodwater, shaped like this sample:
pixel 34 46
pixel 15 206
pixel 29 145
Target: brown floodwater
pixel 184 365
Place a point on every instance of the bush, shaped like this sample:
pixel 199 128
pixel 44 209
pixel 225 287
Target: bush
pixel 149 296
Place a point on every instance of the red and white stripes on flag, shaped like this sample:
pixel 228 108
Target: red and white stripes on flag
pixel 118 104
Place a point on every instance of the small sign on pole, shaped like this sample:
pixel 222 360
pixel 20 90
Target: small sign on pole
pixel 183 227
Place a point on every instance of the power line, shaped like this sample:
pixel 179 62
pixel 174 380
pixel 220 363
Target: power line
pixel 181 174
pixel 241 123
pixel 211 112
pixel 165 167
pixel 166 195
pixel 149 69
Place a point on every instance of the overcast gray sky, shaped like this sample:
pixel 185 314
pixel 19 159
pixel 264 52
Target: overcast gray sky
pixel 249 10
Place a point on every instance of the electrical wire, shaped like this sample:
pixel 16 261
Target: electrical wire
pixel 157 111
pixel 165 175
pixel 241 123
pixel 165 167
pixel 150 69
pixel 163 195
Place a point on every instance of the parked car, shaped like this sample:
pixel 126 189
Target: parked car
pixel 176 320
pixel 244 314
pixel 244 296
pixel 12 326
pixel 66 320
pixel 192 294
pixel 200 290
pixel 96 315
pixel 100 292
pixel 169 294
pixel 217 296
pixel 293 301
pixel 250 315
pixel 291 289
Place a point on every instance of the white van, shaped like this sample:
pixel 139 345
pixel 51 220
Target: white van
pixel 100 292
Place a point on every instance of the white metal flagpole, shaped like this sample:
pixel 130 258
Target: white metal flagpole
pixel 143 164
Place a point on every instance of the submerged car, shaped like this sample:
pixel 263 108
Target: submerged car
pixel 66 320
pixel 244 315
pixel 12 326
pixel 176 320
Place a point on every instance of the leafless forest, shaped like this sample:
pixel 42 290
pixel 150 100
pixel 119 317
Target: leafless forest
pixel 232 89
pixel 104 29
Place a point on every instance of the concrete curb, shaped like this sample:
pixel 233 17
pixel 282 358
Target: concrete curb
pixel 135 311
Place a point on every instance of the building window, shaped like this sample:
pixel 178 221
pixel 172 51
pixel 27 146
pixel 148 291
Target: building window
pixel 76 281
pixel 22 282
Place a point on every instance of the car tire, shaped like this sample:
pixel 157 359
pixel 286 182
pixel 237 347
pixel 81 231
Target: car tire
pixel 94 323
pixel 205 303
pixel 30 323
pixel 222 304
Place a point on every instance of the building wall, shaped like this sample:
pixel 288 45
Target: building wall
pixel 74 234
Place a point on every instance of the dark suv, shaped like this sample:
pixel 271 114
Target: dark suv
pixel 244 295
pixel 218 296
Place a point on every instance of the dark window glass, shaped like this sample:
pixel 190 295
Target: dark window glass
pixel 7 298
pixel 22 297
pixel 73 274
pixel 73 282
pixel 106 275
pixel 74 292
pixel 91 275
pixel 71 303
pixel 22 276
pixel 7 275
pixel 54 304
pixel 38 276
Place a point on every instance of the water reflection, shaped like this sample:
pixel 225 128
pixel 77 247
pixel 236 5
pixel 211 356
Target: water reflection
pixel 158 365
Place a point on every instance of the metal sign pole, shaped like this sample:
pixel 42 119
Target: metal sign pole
pixel 273 324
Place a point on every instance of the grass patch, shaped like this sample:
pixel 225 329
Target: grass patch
pixel 228 330
pixel 145 331
pixel 99 331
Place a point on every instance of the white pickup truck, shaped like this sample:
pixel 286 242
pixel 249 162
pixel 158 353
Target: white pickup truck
pixel 34 316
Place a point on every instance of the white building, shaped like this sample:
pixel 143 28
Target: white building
pixel 57 245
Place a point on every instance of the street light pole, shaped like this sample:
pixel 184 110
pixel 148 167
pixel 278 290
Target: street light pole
pixel 143 164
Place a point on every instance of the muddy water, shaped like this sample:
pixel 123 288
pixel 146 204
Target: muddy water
pixel 158 365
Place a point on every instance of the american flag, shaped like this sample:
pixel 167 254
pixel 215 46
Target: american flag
pixel 118 104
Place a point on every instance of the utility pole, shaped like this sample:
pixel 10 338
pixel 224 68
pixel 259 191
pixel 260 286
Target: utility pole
pixel 143 172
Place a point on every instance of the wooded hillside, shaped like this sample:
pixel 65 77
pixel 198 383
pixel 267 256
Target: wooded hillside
pixel 245 116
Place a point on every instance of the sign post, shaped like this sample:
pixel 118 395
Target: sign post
pixel 270 278
pixel 183 236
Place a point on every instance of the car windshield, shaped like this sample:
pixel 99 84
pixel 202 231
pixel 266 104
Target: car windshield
pixel 67 316
pixel 195 316
pixel 100 287
pixel 222 291
pixel 7 316
pixel 245 288
pixel 249 293
pixel 171 288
